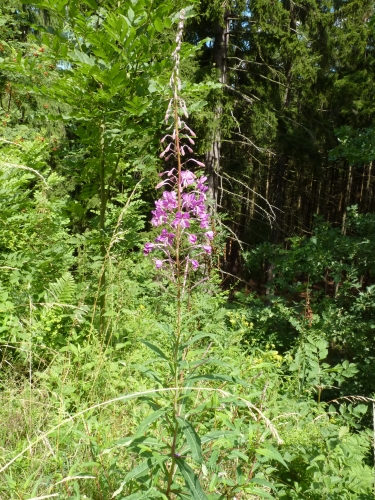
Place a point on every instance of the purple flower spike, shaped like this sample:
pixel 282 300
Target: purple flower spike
pixel 192 239
pixel 183 202
pixel 194 264
pixel 148 248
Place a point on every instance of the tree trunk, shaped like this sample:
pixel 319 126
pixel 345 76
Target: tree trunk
pixel 213 157
pixel 347 199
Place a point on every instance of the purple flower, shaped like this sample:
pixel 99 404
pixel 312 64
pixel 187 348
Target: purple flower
pixel 210 235
pixel 159 217
pixel 187 178
pixel 158 263
pixel 169 201
pixel 165 237
pixel 192 239
pixel 207 248
pixel 181 219
pixel 205 221
pixel 188 201
pixel 199 207
pixel 148 248
pixel 201 186
pixel 194 264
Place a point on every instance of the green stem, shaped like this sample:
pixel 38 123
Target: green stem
pixel 178 381
pixel 103 250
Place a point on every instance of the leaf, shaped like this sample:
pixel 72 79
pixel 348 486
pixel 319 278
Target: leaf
pixel 191 480
pixel 188 12
pixel 159 26
pixel 140 495
pixel 262 482
pixel 148 421
pixel 91 3
pixel 261 493
pixel 215 377
pixel 167 23
pixel 195 339
pixel 271 452
pixel 77 55
pixel 155 348
pixel 131 14
pixel 212 436
pixel 141 470
pixel 147 442
pixel 210 376
pixel 149 373
pixel 192 439
pixel 238 454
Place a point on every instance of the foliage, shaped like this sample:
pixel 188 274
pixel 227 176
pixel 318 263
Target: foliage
pixel 117 381
pixel 319 288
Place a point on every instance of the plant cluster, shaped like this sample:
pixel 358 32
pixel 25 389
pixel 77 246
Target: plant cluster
pixel 129 377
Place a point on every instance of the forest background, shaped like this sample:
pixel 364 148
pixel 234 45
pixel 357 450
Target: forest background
pixel 281 97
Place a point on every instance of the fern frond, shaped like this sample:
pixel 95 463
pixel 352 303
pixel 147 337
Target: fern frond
pixel 61 291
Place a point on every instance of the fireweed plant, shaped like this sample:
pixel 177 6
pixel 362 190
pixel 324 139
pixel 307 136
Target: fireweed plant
pixel 167 440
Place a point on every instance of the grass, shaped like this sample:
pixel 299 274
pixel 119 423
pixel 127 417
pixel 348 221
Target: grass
pixel 64 448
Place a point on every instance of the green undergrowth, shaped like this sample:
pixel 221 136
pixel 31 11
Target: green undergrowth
pixel 86 411
pixel 71 451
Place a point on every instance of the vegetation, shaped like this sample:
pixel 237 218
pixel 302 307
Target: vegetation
pixel 211 338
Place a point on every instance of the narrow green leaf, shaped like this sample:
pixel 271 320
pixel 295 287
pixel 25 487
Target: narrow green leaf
pixel 195 339
pixel 216 377
pixel 262 482
pixel 147 442
pixel 192 439
pixel 210 376
pixel 261 493
pixel 149 373
pixel 155 349
pixel 143 468
pixel 271 452
pixel 148 421
pixel 212 436
pixel 191 480
pixel 91 3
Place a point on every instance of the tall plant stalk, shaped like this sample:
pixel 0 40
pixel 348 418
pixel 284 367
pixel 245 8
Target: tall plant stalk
pixel 182 208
